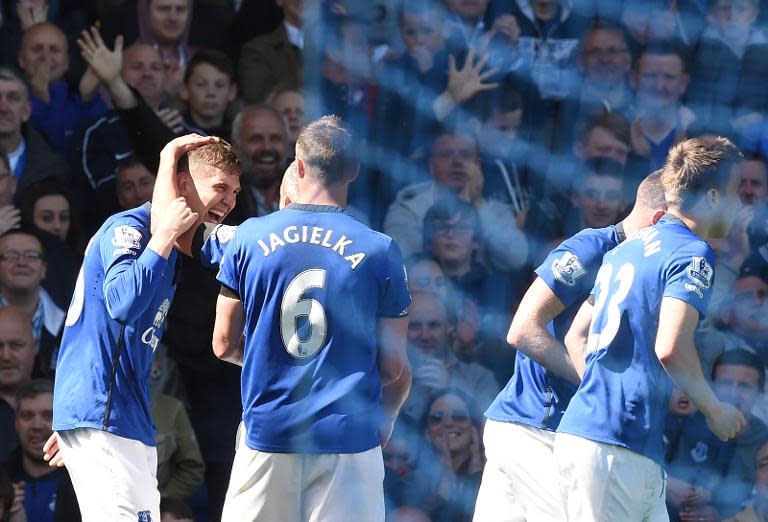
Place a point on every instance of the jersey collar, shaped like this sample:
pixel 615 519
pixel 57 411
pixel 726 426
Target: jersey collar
pixel 316 208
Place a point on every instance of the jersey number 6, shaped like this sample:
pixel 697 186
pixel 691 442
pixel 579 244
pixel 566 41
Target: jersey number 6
pixel 295 306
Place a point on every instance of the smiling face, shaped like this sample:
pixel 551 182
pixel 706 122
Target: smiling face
pixel 263 147
pixel 448 419
pixel 27 271
pixel 209 191
pixel 44 45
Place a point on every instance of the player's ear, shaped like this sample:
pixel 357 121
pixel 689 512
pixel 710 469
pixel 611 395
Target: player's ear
pixel 657 215
pixel 183 180
pixel 713 197
pixel 300 171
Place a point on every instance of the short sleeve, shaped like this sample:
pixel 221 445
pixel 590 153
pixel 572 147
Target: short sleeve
pixel 395 297
pixel 570 269
pixel 229 266
pixel 689 276
pixel 215 244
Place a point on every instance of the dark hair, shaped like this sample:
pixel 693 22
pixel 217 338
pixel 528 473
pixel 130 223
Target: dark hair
pixel 611 121
pixel 474 414
pixel 446 209
pixel 33 388
pixel 216 59
pixel 47 187
pixel 131 160
pixel 663 48
pixel 741 357
pixel 176 507
pixel 27 231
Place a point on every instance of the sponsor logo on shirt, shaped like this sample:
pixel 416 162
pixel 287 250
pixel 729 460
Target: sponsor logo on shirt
pixel 700 274
pixel 127 240
pixel 149 336
pixel 568 269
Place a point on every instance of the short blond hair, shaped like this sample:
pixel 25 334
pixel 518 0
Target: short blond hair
pixel 695 166
pixel 219 154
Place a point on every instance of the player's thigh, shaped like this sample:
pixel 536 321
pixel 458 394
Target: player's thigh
pixel 344 487
pixel 114 477
pixel 263 486
pixel 603 483
pixel 497 499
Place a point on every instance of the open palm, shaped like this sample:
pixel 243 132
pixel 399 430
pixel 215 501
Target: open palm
pixel 105 63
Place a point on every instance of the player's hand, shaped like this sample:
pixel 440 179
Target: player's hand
pixel 106 64
pixel 726 421
pixel 51 453
pixel 176 218
pixel 177 147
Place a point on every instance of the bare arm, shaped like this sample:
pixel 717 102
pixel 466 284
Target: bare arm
pixel 677 353
pixel 578 333
pixel 395 369
pixel 528 332
pixel 228 328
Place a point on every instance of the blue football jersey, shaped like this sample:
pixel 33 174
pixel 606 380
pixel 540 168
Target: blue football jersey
pixel 534 396
pixel 623 397
pixel 114 323
pixel 122 295
pixel 313 281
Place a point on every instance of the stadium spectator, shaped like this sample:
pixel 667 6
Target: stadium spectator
pixel 23 264
pixel 597 200
pixel 180 467
pixel 451 460
pixel 757 508
pixel 11 496
pixel 290 103
pixel 261 137
pixel 58 109
pixel 738 378
pixel 208 90
pixel 659 119
pixel 275 58
pixel 454 166
pixel 605 62
pixel 18 350
pixel 48 492
pixel 31 158
pixel 434 365
pixel 452 237
pixel 134 183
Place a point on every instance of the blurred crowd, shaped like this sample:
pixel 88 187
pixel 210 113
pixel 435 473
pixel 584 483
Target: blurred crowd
pixel 487 131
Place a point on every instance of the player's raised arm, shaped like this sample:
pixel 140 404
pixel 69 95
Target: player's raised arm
pixel 228 328
pixel 394 368
pixel 578 333
pixel 677 353
pixel 529 333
